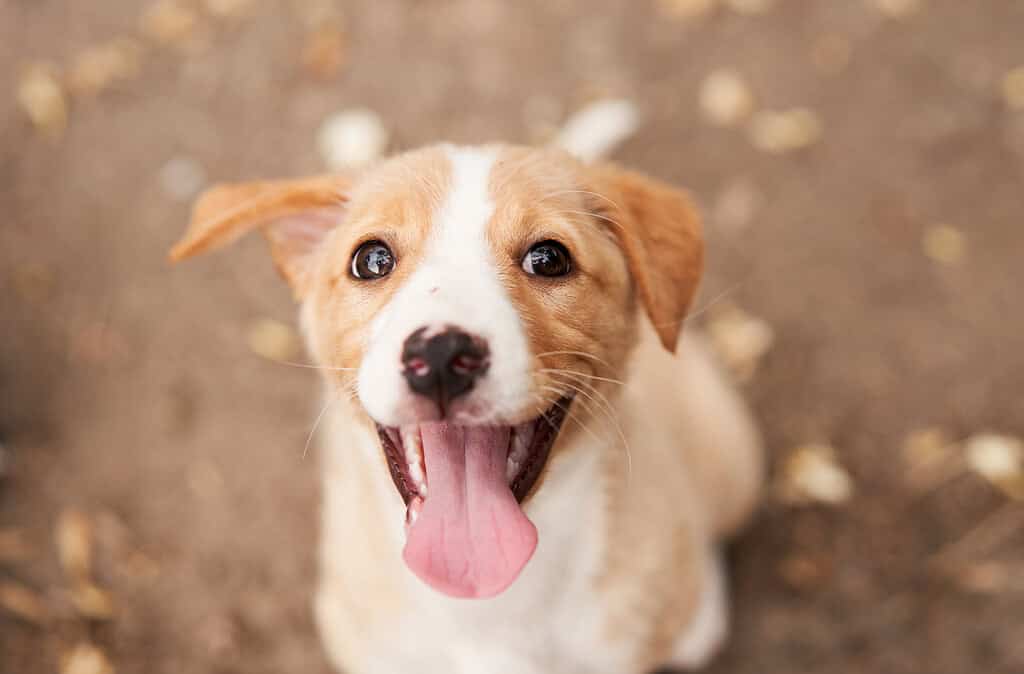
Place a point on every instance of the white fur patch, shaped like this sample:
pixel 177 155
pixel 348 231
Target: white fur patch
pixel 598 128
pixel 457 285
pixel 710 626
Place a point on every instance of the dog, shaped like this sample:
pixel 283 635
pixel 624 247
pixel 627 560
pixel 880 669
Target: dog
pixel 526 470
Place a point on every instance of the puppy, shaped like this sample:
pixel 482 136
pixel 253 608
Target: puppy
pixel 519 475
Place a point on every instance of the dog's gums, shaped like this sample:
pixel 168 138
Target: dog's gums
pixel 462 486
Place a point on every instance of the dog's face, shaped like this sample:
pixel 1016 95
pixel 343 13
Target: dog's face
pixel 465 297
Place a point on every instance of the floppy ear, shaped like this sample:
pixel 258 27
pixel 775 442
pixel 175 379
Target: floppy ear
pixel 661 235
pixel 294 216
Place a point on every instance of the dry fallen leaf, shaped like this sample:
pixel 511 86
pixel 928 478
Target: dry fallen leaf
pixel 42 98
pixel 1013 88
pixel 229 9
pixel 273 340
pixel 927 445
pixel 182 178
pixel 352 138
pixel 944 244
pixel 23 603
pixel 984 578
pixel 781 131
pixel 169 22
pixel 324 53
pixel 812 474
pixel 85 658
pixel 897 9
pixel 725 98
pixel 99 68
pixel 736 206
pixel 599 127
pixel 999 459
pixel 931 457
pixel 739 339
pixel 92 602
pixel 74 537
pixel 686 9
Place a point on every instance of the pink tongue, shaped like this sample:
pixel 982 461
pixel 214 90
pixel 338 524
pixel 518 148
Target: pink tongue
pixel 471 538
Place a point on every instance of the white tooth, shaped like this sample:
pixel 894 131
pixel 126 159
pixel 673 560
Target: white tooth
pixel 413 443
pixel 521 446
pixel 416 473
pixel 412 513
pixel 511 470
pixel 520 450
pixel 411 439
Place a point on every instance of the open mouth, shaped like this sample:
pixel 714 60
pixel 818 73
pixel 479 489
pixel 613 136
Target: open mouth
pixel 467 535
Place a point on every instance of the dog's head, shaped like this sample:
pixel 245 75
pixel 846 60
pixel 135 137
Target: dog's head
pixel 464 297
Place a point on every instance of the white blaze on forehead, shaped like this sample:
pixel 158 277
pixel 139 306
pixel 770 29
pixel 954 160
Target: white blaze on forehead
pixel 456 284
pixel 469 207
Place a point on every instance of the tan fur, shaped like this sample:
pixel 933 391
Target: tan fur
pixel 393 205
pixel 684 466
pixel 661 237
pixel 564 318
pixel 226 212
pixel 708 489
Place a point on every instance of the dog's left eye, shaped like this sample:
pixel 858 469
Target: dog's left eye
pixel 547 258
pixel 372 260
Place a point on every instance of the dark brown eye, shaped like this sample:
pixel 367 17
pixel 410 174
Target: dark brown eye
pixel 372 260
pixel 547 258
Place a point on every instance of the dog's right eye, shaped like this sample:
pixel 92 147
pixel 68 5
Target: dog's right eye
pixel 547 258
pixel 372 260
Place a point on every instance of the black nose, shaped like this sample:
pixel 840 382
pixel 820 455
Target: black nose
pixel 444 365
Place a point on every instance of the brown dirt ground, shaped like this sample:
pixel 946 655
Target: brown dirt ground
pixel 127 389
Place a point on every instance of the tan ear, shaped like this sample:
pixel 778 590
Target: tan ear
pixel 661 235
pixel 294 215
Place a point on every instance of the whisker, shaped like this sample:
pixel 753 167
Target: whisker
pixel 588 408
pixel 316 367
pixel 568 415
pixel 582 354
pixel 552 195
pixel 602 401
pixel 309 438
pixel 591 214
pixel 715 300
pixel 582 374
pixel 545 403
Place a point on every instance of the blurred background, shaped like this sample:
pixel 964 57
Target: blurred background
pixel 861 167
